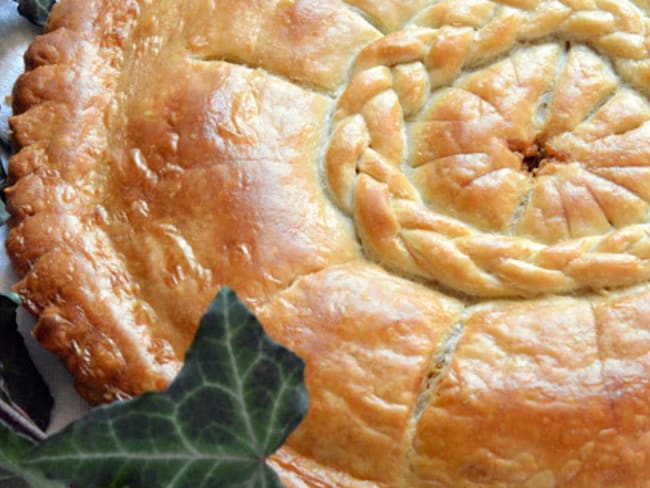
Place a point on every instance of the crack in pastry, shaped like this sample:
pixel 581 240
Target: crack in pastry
pixel 439 367
pixel 474 398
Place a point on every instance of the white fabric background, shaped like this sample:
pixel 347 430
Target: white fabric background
pixel 15 34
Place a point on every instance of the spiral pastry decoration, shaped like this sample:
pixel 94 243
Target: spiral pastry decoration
pixel 501 148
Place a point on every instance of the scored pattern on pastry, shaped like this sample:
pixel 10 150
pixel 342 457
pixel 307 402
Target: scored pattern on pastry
pixel 508 115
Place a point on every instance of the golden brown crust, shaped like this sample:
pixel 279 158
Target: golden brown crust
pixel 57 182
pixel 297 471
pixel 387 15
pixel 471 140
pixel 362 424
pixel 528 372
pixel 400 190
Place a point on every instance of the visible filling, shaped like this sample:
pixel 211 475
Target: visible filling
pixel 470 150
pixel 536 155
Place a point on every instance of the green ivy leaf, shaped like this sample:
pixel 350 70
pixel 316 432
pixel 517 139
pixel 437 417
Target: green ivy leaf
pixel 13 473
pixel 35 10
pixel 12 449
pixel 233 404
pixel 4 156
pixel 4 215
pixel 22 388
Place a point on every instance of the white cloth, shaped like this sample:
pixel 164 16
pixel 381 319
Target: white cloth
pixel 15 34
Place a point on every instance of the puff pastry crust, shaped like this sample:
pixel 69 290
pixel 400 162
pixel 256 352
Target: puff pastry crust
pixel 442 206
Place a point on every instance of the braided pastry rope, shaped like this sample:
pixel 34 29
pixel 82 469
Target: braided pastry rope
pixel 502 148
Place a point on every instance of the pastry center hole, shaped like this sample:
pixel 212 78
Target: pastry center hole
pixel 533 155
pixel 533 158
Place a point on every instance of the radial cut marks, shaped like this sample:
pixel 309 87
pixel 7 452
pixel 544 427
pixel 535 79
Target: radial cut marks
pixel 517 133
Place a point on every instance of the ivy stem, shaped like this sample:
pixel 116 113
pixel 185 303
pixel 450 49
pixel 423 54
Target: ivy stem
pixel 18 421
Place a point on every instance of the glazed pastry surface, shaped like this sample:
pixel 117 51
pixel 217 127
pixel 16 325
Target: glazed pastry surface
pixel 441 206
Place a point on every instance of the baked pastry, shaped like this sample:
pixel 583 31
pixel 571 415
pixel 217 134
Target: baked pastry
pixel 441 206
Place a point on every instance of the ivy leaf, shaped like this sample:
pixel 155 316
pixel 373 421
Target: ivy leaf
pixel 13 473
pixel 4 156
pixel 23 393
pixel 233 404
pixel 36 11
pixel 12 450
